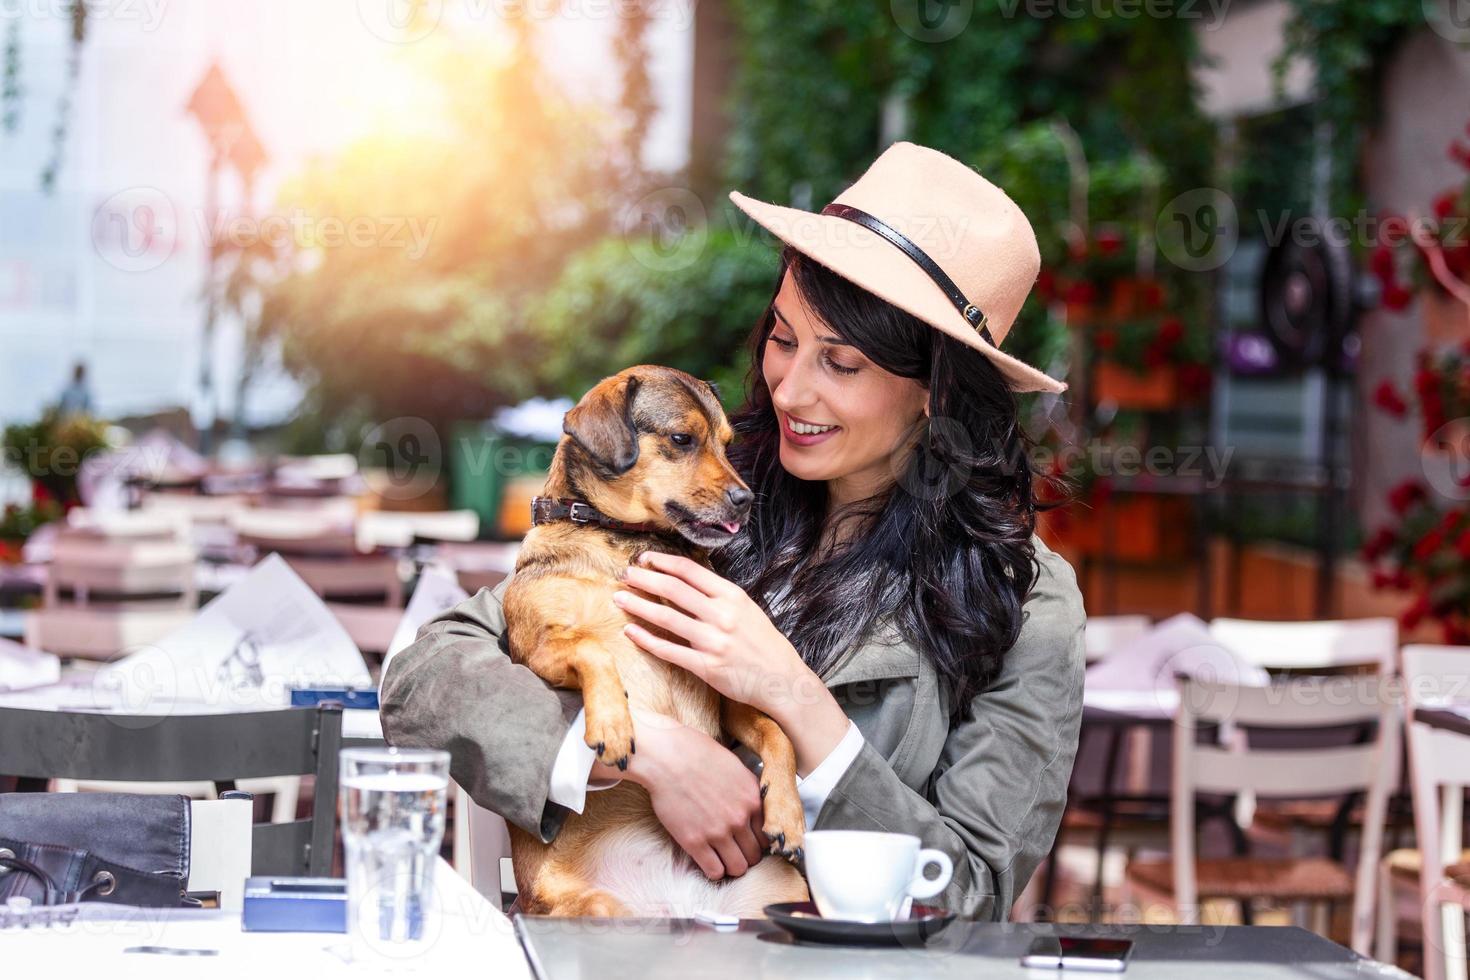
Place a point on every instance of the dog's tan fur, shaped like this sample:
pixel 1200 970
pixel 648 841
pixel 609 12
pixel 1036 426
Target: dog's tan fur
pixel 616 858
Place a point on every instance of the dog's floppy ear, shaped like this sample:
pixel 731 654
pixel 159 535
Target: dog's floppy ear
pixel 602 424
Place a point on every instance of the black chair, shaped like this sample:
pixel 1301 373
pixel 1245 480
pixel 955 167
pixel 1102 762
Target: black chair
pixel 220 748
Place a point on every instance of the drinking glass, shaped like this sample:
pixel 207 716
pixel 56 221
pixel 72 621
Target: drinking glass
pixel 393 805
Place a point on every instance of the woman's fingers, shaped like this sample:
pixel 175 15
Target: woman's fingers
pixel 731 857
pixel 672 588
pixel 659 614
pixel 675 653
pixel 690 571
pixel 749 846
pixel 709 862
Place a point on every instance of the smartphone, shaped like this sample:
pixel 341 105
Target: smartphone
pixel 1078 953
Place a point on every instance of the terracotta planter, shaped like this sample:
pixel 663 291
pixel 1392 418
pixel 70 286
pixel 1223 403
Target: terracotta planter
pixel 1138 526
pixel 1156 389
pixel 1446 320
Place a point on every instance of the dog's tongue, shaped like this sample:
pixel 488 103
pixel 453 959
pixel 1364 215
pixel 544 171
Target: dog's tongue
pixel 732 526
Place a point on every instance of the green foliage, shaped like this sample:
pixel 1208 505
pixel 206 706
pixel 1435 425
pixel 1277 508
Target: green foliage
pixel 1347 43
pixel 19 522
pixel 467 219
pixel 51 450
pixel 610 310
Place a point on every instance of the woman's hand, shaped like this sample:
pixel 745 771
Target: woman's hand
pixel 733 647
pixel 705 797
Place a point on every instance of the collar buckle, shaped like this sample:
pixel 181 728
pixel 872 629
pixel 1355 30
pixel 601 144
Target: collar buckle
pixel 581 513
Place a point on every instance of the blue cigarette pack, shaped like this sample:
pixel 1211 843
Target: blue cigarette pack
pixel 347 697
pixel 295 905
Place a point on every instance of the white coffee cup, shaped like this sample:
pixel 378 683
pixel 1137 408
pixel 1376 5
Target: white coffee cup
pixel 865 876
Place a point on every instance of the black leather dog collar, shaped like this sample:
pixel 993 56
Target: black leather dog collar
pixel 545 510
pixel 972 313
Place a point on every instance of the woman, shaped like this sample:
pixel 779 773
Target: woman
pixel 920 646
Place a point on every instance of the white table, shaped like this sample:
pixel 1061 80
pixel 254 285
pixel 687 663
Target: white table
pixel 475 936
pixel 76 692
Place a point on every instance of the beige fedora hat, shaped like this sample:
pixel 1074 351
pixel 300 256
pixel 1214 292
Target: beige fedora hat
pixel 931 236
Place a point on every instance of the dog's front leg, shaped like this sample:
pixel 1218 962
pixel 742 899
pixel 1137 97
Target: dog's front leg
pixel 785 819
pixel 572 659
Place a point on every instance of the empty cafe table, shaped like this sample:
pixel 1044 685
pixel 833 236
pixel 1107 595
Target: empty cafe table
pixel 683 948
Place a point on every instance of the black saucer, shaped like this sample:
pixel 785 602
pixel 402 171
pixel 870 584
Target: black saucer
pixel 803 921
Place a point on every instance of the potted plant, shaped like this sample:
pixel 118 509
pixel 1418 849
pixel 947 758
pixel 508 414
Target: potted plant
pixel 51 452
pixel 18 522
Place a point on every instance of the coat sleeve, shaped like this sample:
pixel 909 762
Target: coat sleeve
pixel 456 688
pixel 995 799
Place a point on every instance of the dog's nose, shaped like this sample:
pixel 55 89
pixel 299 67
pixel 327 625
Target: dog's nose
pixel 738 496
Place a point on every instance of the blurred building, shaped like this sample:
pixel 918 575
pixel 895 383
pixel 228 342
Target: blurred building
pixel 108 267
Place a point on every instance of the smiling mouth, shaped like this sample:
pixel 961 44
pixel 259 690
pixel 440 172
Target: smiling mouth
pixel 802 432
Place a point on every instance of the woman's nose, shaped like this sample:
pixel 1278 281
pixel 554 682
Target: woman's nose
pixel 793 391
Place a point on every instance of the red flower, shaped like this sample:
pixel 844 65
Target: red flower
pixel 1462 546
pixel 1405 495
pixel 1456 634
pixel 1195 377
pixel 1155 356
pixel 1106 340
pixel 1081 293
pixel 1387 397
pixel 1046 284
pixel 1445 204
pixel 1457 259
pixel 1374 547
pixel 1152 295
pixel 1381 263
pixel 1426 546
pixel 1460 154
pixel 1396 297
pixel 1171 331
pixel 1109 242
pixel 1415 614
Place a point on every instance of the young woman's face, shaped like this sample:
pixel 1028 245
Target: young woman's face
pixel 841 416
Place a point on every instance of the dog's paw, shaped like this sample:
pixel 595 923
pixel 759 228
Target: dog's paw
pixel 785 822
pixel 611 737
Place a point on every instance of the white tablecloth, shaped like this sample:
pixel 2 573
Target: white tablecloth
pixel 77 692
pixel 475 936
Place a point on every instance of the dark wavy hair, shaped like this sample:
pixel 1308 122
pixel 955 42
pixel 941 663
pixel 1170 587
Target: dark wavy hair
pixel 945 551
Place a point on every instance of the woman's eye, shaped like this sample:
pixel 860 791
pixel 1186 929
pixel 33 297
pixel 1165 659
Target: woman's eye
pixel 783 344
pixel 839 368
pixel 682 438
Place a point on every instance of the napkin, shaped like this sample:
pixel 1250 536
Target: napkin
pixel 1182 644
pixel 438 589
pixel 267 633
pixel 22 667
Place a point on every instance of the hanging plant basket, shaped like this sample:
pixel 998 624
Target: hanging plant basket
pixel 1157 388
pixel 1145 527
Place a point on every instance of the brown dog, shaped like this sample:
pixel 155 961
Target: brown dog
pixel 646 450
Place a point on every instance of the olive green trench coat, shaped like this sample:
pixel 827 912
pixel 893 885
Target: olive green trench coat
pixel 988 790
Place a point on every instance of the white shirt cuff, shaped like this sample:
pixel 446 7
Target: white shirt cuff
pixel 820 782
pixel 569 783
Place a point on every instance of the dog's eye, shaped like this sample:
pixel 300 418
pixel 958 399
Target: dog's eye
pixel 682 438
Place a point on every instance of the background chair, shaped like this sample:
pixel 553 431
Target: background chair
pixel 216 747
pixel 1438 873
pixel 1312 646
pixel 1319 703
